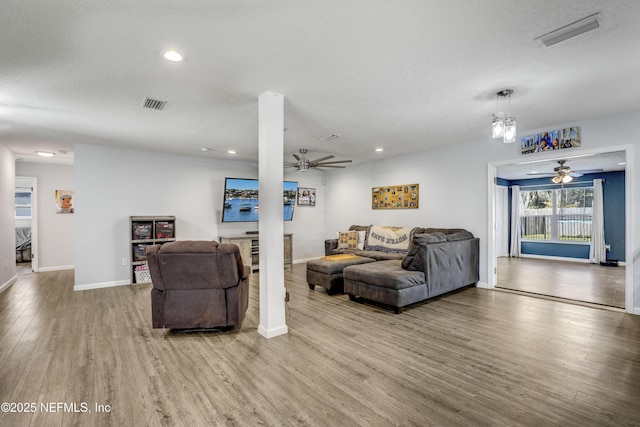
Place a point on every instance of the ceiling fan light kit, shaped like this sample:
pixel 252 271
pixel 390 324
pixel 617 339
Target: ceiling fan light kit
pixel 562 179
pixel 503 125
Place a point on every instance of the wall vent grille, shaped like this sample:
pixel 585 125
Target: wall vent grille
pixel 154 104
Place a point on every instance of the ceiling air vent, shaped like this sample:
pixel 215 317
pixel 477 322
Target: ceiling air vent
pixel 154 104
pixel 569 31
pixel 329 137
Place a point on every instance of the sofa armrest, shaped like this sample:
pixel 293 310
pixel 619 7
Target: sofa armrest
pixel 446 264
pixel 151 253
pixel 329 246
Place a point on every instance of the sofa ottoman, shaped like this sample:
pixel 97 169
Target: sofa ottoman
pixel 327 271
pixel 386 282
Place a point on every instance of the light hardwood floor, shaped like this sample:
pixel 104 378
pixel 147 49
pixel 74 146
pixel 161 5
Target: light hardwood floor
pixel 471 358
pixel 577 281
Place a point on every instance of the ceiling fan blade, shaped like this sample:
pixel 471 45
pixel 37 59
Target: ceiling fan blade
pixel 296 157
pixel 289 164
pixel 322 159
pixel 327 166
pixel 542 173
pixel 583 171
pixel 335 161
pixel 574 174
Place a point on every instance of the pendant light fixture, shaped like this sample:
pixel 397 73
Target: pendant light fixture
pixel 503 125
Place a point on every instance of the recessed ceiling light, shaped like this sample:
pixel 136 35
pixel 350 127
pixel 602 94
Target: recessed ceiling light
pixel 45 153
pixel 173 56
pixel 231 151
pixel 622 163
pixel 205 149
pixel 379 149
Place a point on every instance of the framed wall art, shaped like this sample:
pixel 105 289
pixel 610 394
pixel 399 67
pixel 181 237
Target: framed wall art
pixel 64 201
pixel 404 196
pixel 306 196
pixel 560 139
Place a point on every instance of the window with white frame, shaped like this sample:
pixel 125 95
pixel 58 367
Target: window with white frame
pixel 557 215
pixel 23 204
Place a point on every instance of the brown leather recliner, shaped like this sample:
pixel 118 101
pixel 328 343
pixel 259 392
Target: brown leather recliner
pixel 197 285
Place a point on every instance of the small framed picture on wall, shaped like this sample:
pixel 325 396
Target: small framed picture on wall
pixel 64 201
pixel 306 196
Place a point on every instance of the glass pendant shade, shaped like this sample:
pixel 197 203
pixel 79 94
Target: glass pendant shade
pixel 497 126
pixel 567 178
pixel 510 129
pixel 556 179
pixel 503 125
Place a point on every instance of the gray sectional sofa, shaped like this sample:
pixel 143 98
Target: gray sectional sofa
pixel 435 261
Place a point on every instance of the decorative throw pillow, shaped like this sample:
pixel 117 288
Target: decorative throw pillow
pixel 389 239
pixel 362 235
pixel 348 240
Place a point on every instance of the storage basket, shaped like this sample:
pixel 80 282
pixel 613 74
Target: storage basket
pixel 142 274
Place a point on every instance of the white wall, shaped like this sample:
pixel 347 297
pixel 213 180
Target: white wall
pixel 55 245
pixel 111 184
pixel 7 218
pixel 454 185
pixel 308 221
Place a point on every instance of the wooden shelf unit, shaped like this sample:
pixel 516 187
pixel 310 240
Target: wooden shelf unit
pixel 145 231
pixel 249 245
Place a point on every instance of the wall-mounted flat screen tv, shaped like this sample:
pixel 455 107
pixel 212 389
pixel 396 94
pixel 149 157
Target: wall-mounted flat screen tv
pixel 241 200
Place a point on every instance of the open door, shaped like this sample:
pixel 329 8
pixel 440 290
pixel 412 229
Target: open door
pixel 26 212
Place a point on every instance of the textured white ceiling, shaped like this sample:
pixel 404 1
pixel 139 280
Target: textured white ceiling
pixel 402 75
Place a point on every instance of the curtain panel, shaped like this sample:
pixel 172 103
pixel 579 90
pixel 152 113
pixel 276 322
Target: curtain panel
pixel 598 251
pixel 514 250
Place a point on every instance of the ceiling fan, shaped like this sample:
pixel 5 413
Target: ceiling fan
pixel 563 173
pixel 303 164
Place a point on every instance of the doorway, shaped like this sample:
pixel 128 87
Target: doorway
pixel 610 286
pixel 26 224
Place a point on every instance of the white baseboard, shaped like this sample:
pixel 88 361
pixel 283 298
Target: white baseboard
pixel 555 258
pixel 483 285
pixel 8 283
pixel 55 268
pixel 90 286
pixel 271 333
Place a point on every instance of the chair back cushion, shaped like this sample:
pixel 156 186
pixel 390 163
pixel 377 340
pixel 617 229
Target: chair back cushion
pixel 194 264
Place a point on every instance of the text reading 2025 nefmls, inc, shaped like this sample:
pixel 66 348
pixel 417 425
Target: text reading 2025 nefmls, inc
pixel 53 407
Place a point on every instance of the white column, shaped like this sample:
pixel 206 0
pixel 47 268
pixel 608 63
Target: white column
pixel 271 226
